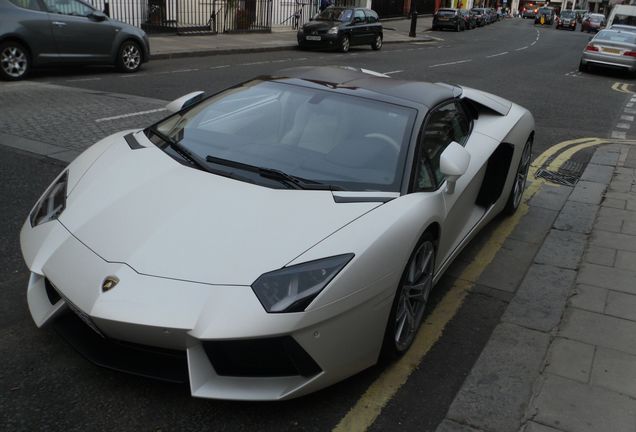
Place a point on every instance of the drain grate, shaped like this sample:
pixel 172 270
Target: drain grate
pixel 570 172
pixel 557 177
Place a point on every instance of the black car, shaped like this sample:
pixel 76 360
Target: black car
pixel 448 18
pixel 34 33
pixel 470 22
pixel 340 28
pixel 566 20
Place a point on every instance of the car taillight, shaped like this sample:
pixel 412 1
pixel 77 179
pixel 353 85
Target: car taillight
pixel 591 48
pixel 630 53
pixel 536 10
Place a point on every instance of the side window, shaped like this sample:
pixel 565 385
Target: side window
pixel 68 7
pixel 372 17
pixel 359 16
pixel 27 4
pixel 445 124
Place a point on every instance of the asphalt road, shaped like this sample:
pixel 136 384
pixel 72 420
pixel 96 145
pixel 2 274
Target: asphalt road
pixel 45 385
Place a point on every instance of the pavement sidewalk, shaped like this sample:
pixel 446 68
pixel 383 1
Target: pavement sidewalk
pixel 175 46
pixel 563 357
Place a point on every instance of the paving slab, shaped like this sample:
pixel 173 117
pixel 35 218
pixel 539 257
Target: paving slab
pixel 626 260
pixel 598 173
pixel 613 203
pixel 562 249
pixel 600 255
pixel 551 197
pixel 608 277
pixel 588 192
pixel 609 223
pixel 509 266
pixel 536 224
pixel 540 300
pixel 601 330
pixel 451 426
pixel 573 406
pixel 614 240
pixel 621 305
pixel 577 217
pixel 570 359
pixel 614 370
pixel 537 427
pixel 588 297
pixel 605 156
pixel 621 213
pixel 495 395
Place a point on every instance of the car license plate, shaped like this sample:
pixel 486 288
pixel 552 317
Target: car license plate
pixel 312 38
pixel 611 50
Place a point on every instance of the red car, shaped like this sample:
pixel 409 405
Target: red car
pixel 593 22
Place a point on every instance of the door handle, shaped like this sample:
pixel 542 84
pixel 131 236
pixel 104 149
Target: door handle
pixel 59 23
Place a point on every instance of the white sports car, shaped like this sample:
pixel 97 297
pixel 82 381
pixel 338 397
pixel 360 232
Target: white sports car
pixel 277 237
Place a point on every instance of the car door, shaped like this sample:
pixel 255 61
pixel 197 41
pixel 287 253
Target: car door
pixel 444 124
pixel 373 25
pixel 359 30
pixel 78 36
pixel 31 21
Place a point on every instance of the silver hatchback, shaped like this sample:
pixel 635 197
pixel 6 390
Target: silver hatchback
pixel 39 32
pixel 610 48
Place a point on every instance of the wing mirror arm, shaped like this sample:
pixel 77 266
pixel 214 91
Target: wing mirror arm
pixel 184 101
pixel 453 164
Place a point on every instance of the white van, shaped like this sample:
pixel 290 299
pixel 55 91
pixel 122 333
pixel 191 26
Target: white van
pixel 622 14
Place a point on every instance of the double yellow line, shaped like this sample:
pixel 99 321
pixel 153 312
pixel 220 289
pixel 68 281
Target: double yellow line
pixel 381 391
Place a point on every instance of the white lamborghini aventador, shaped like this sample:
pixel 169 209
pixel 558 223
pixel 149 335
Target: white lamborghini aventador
pixel 277 237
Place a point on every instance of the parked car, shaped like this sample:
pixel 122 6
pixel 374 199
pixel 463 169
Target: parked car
pixel 469 19
pixel 334 200
pixel 545 15
pixel 580 13
pixel 485 14
pixel 610 48
pixel 566 20
pixel 37 33
pixel 480 19
pixel 593 23
pixel 341 28
pixel 448 18
pixel 529 11
pixel 622 14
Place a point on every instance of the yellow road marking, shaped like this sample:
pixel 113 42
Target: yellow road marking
pixel 381 391
pixel 622 87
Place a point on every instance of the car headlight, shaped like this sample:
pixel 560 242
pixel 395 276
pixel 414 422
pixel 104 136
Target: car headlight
pixel 52 203
pixel 291 289
pixel 333 30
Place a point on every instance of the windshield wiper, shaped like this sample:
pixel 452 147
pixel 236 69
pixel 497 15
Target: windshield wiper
pixel 274 174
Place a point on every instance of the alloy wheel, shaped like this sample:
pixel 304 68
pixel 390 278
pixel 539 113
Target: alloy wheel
pixel 14 61
pixel 413 295
pixel 378 42
pixel 130 56
pixel 522 174
pixel 345 44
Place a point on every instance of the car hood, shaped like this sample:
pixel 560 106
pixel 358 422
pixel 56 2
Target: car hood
pixel 142 208
pixel 320 25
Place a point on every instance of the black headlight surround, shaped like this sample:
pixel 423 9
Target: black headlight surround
pixel 269 286
pixel 52 203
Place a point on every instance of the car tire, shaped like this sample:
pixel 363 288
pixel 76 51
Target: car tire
pixel 15 61
pixel 457 28
pixel 129 57
pixel 378 43
pixel 301 46
pixel 521 176
pixel 416 278
pixel 345 44
pixel 582 67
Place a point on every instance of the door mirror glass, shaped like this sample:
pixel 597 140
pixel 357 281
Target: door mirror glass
pixel 184 101
pixel 453 164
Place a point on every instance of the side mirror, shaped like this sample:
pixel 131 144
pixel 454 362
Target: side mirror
pixel 184 101
pixel 97 16
pixel 453 164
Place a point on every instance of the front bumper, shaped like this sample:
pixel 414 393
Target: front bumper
pixel 326 40
pixel 192 326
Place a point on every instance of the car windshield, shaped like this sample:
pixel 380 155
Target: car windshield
pixel 615 36
pixel 596 18
pixel 545 11
pixel 625 19
pixel 317 135
pixel 568 14
pixel 335 14
pixel 446 12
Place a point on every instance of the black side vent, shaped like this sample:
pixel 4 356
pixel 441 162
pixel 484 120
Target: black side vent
pixel 269 357
pixel 496 174
pixel 132 142
pixel 51 292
